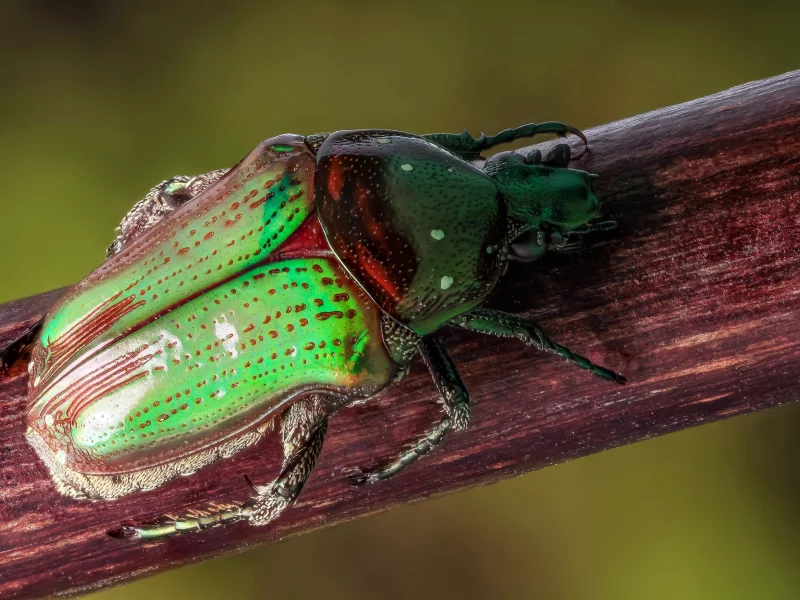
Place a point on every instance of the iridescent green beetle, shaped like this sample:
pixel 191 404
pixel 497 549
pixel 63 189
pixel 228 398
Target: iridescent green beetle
pixel 305 278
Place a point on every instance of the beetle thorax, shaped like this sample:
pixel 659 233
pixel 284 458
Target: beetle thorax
pixel 420 229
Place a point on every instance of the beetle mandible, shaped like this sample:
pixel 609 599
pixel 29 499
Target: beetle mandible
pixel 303 279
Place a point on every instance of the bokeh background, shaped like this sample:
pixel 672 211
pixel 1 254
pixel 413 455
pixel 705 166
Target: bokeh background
pixel 99 100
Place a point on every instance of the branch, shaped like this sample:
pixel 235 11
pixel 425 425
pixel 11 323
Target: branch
pixel 695 298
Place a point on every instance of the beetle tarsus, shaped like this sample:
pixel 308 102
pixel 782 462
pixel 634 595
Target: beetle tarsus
pixel 468 148
pixel 193 520
pixel 494 322
pixel 455 399
pixel 428 442
pixel 610 375
pixel 577 132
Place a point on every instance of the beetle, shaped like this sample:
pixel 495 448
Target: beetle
pixel 303 279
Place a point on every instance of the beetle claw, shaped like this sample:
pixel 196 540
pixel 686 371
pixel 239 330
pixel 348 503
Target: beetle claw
pixel 577 132
pixel 621 379
pixel 359 478
pixel 257 490
pixel 610 375
pixel 124 532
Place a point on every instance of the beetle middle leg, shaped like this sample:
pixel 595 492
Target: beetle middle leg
pixel 11 353
pixel 502 324
pixel 470 148
pixel 456 407
pixel 303 427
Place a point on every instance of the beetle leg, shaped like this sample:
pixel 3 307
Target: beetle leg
pixel 468 148
pixel 456 407
pixel 11 353
pixel 303 428
pixel 161 201
pixel 493 322
pixel 193 520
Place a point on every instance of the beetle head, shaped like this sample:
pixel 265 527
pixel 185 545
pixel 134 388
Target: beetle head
pixel 544 199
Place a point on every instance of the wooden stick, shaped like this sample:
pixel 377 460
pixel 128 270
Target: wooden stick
pixel 695 298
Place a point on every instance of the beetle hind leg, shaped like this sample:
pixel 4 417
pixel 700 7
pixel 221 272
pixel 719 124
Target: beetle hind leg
pixel 456 402
pixel 303 427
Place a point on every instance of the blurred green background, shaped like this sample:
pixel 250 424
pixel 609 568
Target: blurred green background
pixel 101 100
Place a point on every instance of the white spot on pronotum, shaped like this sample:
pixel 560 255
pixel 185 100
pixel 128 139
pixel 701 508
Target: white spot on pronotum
pixel 447 281
pixel 49 420
pixel 449 169
pixel 61 457
pixel 407 167
pixel 437 234
pixel 384 141
pixel 489 249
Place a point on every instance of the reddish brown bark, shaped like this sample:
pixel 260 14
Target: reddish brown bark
pixel 695 298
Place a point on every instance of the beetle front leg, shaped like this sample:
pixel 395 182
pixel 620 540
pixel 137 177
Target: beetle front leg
pixel 493 322
pixel 468 148
pixel 456 407
pixel 11 353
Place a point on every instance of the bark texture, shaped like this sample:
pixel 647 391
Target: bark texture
pixel 695 298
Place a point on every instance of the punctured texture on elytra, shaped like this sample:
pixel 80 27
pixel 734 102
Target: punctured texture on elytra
pixel 179 344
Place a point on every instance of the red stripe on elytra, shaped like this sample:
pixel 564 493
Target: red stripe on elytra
pixel 75 388
pixel 108 382
pixel 100 320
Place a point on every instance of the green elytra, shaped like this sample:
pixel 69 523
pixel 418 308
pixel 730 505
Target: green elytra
pixel 130 387
pixel 304 278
